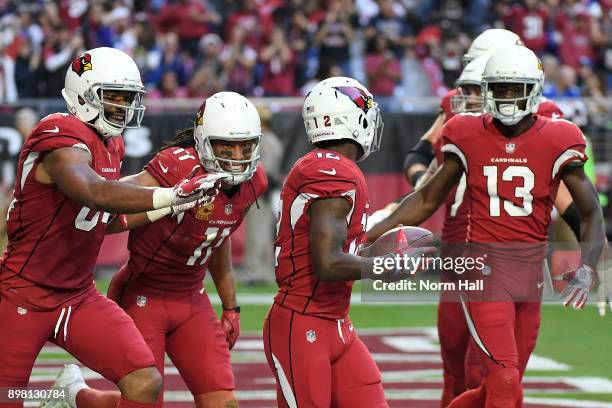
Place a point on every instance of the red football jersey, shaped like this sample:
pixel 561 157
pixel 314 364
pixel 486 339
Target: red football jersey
pixel 512 183
pixel 172 253
pixel 445 104
pixel 320 174
pixel 53 240
pixel 550 109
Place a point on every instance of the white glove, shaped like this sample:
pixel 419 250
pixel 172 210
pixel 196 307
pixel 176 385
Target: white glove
pixel 378 216
pixel 189 190
pixel 580 283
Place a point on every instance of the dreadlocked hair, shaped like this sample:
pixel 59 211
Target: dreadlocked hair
pixel 182 138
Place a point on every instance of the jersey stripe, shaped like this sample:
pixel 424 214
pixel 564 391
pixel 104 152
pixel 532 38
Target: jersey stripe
pixel 565 156
pixel 28 164
pixel 451 148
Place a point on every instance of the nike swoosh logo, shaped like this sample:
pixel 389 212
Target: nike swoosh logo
pixel 331 172
pixel 164 169
pixel 540 284
pixel 54 130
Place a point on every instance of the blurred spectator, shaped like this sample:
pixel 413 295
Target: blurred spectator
pixel 577 36
pixel 260 219
pixel 382 68
pixel 279 68
pixel 334 35
pixel 293 19
pixel 530 21
pixel 60 48
pixel 205 79
pixel 27 66
pixel 190 19
pixel 564 85
pixel 392 26
pixel 96 29
pixel 31 30
pixel 238 63
pixel 549 65
pixel 171 60
pixel 605 57
pixel 148 53
pixel 251 21
pixel 168 87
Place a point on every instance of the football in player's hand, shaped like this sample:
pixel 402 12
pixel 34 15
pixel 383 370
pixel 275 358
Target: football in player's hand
pixel 397 239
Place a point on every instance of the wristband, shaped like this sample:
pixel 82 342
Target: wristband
pixel 232 309
pixel 162 197
pixel 155 215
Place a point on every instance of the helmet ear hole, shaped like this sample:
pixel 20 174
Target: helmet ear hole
pixel 365 123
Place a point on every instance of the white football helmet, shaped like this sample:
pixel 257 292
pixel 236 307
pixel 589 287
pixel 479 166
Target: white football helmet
pixel 232 117
pixel 489 41
pixel 90 75
pixel 340 108
pixel 515 64
pixel 470 76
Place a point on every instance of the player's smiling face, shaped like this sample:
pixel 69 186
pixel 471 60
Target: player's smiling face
pixel 509 91
pixel 113 105
pixel 233 150
pixel 473 101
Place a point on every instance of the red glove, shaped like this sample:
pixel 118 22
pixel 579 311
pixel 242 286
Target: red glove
pixel 230 323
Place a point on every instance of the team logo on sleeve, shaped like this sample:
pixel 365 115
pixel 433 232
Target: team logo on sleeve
pixel 311 336
pixel 82 63
pixel 203 212
pixel 358 96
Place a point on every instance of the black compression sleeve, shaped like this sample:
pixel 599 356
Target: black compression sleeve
pixel 421 153
pixel 572 218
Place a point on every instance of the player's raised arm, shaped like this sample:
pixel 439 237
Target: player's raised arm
pixel 421 204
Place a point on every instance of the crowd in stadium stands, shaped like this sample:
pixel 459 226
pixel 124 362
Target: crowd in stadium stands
pixel 194 48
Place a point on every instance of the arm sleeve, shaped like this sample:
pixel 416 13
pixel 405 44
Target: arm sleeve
pixel 422 153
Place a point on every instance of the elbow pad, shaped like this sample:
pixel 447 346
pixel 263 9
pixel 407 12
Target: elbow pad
pixel 421 153
pixel 572 218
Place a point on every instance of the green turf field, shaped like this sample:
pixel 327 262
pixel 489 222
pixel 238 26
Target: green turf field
pixel 580 339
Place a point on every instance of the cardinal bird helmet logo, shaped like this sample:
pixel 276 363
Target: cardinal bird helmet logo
pixel 82 63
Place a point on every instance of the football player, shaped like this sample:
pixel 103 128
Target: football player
pixel 514 162
pixel 310 343
pixel 422 154
pixel 65 192
pixel 161 285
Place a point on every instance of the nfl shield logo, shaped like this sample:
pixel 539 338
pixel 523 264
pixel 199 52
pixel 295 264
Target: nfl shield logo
pixel 141 301
pixel 228 209
pixel 311 336
pixel 510 148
